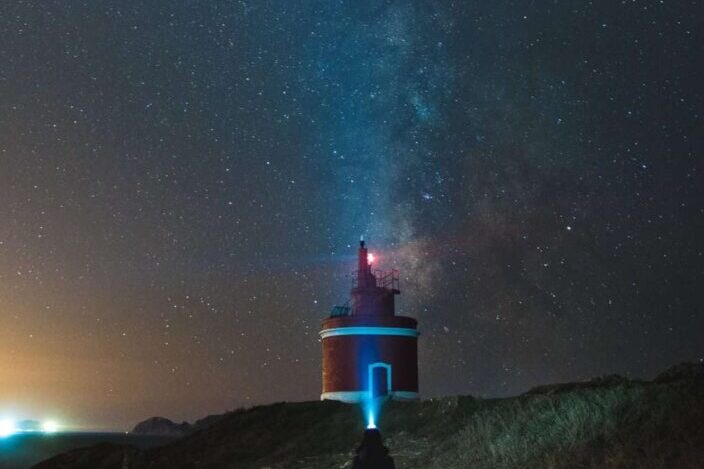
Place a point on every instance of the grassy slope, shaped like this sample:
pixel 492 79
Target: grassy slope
pixel 611 424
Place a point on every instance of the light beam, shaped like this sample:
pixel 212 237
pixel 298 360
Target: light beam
pixel 371 424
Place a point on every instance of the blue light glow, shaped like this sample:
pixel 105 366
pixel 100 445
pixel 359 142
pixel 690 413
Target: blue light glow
pixel 370 420
pixel 371 409
pixel 371 405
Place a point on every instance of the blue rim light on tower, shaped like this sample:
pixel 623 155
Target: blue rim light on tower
pixel 367 330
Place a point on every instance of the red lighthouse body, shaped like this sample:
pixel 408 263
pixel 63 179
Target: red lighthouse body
pixel 368 351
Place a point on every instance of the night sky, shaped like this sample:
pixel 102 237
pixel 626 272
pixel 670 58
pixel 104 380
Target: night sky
pixel 183 186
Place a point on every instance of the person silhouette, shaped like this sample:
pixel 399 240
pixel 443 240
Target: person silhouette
pixel 372 454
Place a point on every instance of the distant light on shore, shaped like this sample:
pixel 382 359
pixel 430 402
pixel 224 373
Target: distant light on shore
pixel 8 427
pixel 50 426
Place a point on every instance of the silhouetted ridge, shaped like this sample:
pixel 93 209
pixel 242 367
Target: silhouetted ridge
pixel 608 422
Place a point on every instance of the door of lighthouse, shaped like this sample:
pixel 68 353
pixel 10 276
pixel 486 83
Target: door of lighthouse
pixel 380 379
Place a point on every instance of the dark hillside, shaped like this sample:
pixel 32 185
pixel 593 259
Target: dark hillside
pixel 605 423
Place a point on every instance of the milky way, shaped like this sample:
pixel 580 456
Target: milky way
pixel 182 188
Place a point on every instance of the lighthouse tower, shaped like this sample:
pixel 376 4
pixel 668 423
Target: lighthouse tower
pixel 369 351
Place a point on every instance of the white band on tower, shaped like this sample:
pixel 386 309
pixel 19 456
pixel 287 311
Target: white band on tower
pixel 369 330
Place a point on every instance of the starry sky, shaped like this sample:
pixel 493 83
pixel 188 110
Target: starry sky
pixel 183 185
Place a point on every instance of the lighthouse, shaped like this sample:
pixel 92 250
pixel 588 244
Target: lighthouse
pixel 368 351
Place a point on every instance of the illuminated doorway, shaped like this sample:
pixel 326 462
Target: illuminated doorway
pixel 379 379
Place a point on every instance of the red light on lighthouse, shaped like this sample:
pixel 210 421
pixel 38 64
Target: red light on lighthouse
pixel 370 258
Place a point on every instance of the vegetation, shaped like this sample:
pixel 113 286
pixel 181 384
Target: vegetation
pixel 607 423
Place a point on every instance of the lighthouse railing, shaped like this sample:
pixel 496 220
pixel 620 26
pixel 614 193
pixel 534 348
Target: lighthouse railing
pixel 384 279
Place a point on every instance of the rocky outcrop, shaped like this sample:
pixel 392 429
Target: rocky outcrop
pixel 160 426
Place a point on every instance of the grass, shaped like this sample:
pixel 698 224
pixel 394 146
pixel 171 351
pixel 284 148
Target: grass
pixel 615 424
pixel 644 426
